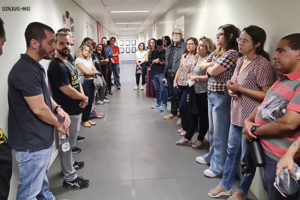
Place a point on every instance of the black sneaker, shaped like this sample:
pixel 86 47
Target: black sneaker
pixel 76 150
pixel 78 165
pixel 78 183
pixel 80 138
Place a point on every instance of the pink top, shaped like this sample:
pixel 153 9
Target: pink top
pixel 256 75
pixel 187 65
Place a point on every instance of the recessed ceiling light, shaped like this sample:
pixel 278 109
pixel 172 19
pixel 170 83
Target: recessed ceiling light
pixel 129 11
pixel 125 23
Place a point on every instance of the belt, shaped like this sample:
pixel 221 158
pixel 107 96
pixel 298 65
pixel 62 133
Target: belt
pixel 89 78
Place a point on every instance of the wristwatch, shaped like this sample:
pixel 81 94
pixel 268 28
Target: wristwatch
pixel 253 129
pixel 55 109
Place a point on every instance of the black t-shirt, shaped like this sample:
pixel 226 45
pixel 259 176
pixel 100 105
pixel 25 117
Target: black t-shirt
pixel 61 74
pixel 25 130
pixel 157 68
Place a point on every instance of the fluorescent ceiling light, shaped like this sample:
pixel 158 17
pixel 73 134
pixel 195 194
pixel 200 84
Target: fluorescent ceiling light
pixel 129 11
pixel 127 28
pixel 125 23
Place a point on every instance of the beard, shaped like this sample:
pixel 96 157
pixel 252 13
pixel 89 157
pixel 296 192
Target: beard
pixel 44 54
pixel 64 52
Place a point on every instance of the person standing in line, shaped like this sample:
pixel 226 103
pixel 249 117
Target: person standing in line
pixel 116 62
pixel 107 73
pixel 196 108
pixel 5 150
pixel 68 92
pixel 276 121
pixel 75 149
pixel 157 60
pixel 173 56
pixel 31 116
pixel 252 78
pixel 140 66
pixel 219 68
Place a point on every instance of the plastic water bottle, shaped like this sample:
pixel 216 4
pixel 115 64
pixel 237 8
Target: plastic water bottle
pixel 65 145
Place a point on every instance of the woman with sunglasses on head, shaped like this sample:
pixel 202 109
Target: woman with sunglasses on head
pixel 219 67
pixel 252 77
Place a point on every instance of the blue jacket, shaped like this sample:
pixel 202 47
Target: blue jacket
pixel 180 49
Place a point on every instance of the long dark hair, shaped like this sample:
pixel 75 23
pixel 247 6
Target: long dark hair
pixel 231 42
pixel 167 38
pixel 258 35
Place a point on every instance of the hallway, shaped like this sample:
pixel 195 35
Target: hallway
pixel 131 154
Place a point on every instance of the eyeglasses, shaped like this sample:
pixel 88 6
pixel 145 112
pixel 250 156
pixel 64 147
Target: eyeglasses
pixel 242 41
pixel 219 35
pixel 176 33
pixel 190 44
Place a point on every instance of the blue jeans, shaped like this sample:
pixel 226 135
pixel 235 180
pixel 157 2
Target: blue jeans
pixel 236 146
pixel 33 182
pixel 116 73
pixel 219 123
pixel 161 96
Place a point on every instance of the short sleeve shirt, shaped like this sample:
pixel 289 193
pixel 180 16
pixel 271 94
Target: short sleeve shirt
pixel 88 63
pixel 257 74
pixel 187 64
pixel 228 61
pixel 26 132
pixel 60 74
pixel 199 87
pixel 115 50
pixel 282 96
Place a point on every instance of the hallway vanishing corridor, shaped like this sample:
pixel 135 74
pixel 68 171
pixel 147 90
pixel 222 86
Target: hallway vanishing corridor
pixel 131 154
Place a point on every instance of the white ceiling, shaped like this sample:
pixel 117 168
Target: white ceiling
pixel 100 10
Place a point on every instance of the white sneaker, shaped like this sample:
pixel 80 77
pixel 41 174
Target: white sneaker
pixel 100 102
pixel 209 173
pixel 106 101
pixel 135 87
pixel 200 160
pixel 142 87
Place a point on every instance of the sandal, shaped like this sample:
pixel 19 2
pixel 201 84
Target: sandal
pixel 99 116
pixel 237 196
pixel 212 193
pixel 86 124
pixel 91 123
pixel 197 144
pixel 184 142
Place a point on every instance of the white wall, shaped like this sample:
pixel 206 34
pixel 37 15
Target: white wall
pixel 203 17
pixel 48 12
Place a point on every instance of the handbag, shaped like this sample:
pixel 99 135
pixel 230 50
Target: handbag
pixel 98 82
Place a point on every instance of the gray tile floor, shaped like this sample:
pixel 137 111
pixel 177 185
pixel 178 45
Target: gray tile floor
pixel 131 154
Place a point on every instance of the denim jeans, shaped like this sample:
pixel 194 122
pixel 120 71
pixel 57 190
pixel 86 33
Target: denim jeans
pixel 116 73
pixel 269 178
pixel 89 91
pixel 236 147
pixel 161 96
pixel 33 182
pixel 219 123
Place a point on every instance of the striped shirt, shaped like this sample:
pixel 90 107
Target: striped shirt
pixel 283 95
pixel 228 61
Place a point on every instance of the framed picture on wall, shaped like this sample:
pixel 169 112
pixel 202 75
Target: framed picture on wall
pixel 128 49
pixel 121 43
pixel 133 49
pixel 122 49
pixel 127 42
pixel 133 42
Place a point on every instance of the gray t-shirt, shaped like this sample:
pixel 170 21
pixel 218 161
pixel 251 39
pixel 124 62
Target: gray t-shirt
pixel 199 87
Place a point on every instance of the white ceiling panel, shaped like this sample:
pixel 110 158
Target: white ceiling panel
pixel 101 11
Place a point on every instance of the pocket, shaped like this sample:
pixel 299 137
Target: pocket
pixel 22 156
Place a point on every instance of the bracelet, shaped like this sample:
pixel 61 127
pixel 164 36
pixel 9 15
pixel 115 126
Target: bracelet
pixel 55 109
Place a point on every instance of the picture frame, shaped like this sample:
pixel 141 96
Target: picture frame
pixel 133 42
pixel 127 49
pixel 133 49
pixel 127 42
pixel 122 50
pixel 121 43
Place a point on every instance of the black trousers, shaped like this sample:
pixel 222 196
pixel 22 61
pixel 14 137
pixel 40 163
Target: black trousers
pixel 199 117
pixel 5 170
pixel 173 98
pixel 144 72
